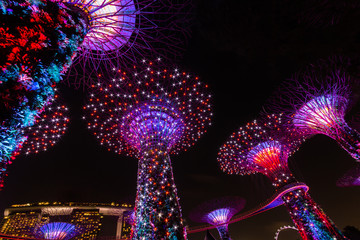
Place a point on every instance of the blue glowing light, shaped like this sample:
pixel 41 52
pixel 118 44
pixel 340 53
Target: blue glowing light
pixel 57 230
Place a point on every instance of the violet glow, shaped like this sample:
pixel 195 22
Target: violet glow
pixel 57 230
pixel 219 216
pixel 123 31
pixel 317 100
pixel 218 212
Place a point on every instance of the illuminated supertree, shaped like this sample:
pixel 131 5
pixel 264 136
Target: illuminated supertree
pixel 39 39
pixel 56 224
pixel 264 147
pixel 218 212
pixel 351 178
pixel 316 100
pixel 57 231
pixel 151 113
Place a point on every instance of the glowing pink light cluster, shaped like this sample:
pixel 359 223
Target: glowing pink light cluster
pixel 151 112
pixel 261 146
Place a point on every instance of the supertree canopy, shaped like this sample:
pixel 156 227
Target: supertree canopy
pixel 123 31
pixel 316 100
pixel 57 231
pixel 351 178
pixel 218 212
pixel 264 147
pixel 150 113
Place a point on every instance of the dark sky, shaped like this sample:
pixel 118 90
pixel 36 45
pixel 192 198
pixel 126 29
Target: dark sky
pixel 244 50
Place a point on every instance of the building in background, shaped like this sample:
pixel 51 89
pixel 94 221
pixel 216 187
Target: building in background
pixel 97 220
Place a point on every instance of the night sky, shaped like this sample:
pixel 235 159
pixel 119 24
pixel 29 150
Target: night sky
pixel 243 50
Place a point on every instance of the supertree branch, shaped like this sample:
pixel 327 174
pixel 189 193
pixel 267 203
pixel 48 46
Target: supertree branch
pixel 218 212
pixel 158 214
pixel 151 112
pixel 316 100
pixel 264 147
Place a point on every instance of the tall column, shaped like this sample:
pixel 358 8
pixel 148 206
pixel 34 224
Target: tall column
pixel 223 232
pixel 158 213
pixel 310 219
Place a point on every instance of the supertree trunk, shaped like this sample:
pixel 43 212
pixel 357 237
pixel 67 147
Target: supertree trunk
pixel 38 40
pixel 158 213
pixel 223 232
pixel 310 219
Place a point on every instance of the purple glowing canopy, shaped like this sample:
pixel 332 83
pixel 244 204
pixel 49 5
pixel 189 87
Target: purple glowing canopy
pixel 57 231
pixel 123 31
pixel 218 211
pixel 316 100
pixel 152 105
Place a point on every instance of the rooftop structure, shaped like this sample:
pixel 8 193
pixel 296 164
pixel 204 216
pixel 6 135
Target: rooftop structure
pixel 28 220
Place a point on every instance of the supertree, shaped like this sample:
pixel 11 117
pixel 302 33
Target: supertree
pixel 264 147
pixel 351 178
pixel 282 229
pixel 316 100
pixel 46 131
pixel 218 212
pixel 151 113
pixel 57 224
pixel 57 231
pixel 39 39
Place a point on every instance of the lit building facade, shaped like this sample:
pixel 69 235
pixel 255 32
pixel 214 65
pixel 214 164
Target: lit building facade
pixel 95 219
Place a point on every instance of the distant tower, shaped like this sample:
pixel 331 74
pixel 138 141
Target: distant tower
pixel 218 212
pixel 150 113
pixel 264 147
pixel 316 101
